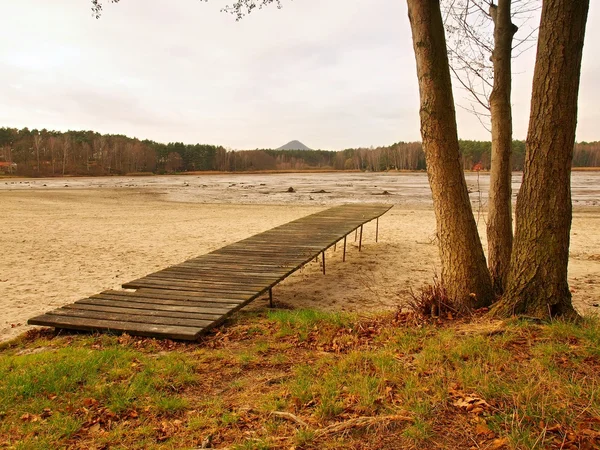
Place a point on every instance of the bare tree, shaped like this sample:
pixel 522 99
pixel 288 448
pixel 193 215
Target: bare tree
pixel 499 224
pixel 481 51
pixel 37 143
pixel 464 271
pixel 537 281
pixel 66 147
pixel 52 143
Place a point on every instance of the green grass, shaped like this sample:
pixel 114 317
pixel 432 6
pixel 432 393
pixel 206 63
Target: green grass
pixel 302 321
pixel 529 386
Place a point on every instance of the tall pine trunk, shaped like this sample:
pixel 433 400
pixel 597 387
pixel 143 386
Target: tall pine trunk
pixel 499 224
pixel 537 282
pixel 464 271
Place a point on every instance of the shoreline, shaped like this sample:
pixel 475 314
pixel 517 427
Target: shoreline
pixel 254 172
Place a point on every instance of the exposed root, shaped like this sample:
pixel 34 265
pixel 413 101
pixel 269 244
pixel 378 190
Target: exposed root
pixel 355 423
pixel 291 417
pixel 361 422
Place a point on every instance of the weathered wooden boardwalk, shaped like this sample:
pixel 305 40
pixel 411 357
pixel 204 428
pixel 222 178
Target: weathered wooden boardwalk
pixel 185 300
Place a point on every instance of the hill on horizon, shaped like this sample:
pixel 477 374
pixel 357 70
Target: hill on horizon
pixel 294 145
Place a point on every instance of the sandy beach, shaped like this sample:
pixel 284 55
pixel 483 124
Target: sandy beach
pixel 65 239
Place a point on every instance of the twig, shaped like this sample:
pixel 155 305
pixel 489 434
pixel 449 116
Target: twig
pixel 360 422
pixel 291 417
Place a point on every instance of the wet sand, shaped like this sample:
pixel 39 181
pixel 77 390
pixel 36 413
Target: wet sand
pixel 64 239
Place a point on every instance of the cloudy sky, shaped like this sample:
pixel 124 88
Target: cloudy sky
pixel 333 74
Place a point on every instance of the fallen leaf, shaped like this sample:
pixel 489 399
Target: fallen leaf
pixel 591 433
pixel 90 402
pixel 497 444
pixel 483 429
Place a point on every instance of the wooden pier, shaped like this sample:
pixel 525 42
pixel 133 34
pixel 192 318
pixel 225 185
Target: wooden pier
pixel 187 299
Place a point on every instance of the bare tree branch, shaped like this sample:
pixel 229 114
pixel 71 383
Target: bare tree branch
pixel 469 88
pixel 239 8
pixel 470 28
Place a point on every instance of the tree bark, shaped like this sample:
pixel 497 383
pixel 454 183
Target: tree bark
pixel 499 223
pixel 537 282
pixel 464 271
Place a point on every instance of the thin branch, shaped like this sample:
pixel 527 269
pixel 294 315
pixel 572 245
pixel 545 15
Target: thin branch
pixel 291 417
pixel 477 114
pixel 470 90
pixel 526 38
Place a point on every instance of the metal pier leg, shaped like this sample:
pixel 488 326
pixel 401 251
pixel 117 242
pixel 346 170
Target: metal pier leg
pixel 335 246
pixel 377 231
pixel 355 234
pixel 270 298
pixel 360 241
pixel 344 257
pixel 323 262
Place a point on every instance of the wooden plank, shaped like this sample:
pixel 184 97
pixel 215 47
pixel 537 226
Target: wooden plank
pixel 136 318
pixel 168 287
pixel 185 295
pixel 200 302
pixel 217 276
pixel 245 263
pixel 230 282
pixel 185 286
pixel 212 270
pixel 254 262
pixel 158 309
pixel 138 329
pixel 225 265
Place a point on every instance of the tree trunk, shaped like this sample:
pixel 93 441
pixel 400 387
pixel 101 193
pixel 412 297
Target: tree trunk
pixel 499 224
pixel 464 271
pixel 537 282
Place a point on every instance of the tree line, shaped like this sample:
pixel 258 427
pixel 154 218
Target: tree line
pixel 55 153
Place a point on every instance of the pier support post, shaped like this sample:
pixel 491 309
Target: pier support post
pixel 323 262
pixel 270 297
pixel 344 257
pixel 360 241
pixel 377 231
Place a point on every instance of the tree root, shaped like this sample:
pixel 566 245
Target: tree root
pixel 361 422
pixel 346 426
pixel 291 417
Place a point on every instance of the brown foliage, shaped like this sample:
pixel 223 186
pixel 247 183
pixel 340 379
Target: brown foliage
pixel 432 301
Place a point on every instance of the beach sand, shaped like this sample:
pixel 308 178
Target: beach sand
pixel 62 244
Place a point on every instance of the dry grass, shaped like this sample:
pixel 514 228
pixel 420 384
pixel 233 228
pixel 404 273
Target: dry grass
pixel 308 380
pixel 432 301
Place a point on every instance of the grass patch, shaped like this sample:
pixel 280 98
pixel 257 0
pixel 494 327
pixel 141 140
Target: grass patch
pixel 334 380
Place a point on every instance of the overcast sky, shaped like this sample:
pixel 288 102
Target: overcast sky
pixel 331 73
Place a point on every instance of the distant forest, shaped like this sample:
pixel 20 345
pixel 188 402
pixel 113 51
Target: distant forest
pixel 51 153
